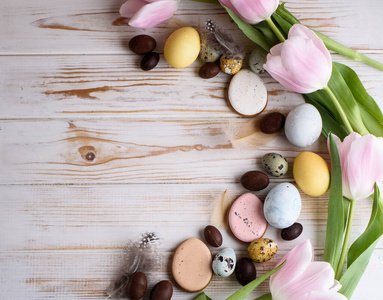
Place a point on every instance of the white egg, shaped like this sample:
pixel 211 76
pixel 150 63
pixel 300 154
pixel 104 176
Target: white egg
pixel 303 125
pixel 282 205
pixel 224 262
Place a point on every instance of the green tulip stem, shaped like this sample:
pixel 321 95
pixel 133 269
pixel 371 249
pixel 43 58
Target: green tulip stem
pixel 275 29
pixel 339 109
pixel 346 241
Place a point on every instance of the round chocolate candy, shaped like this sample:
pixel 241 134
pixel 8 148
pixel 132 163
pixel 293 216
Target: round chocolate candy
pixel 136 287
pixel 292 232
pixel 142 44
pixel 209 70
pixel 272 123
pixel 213 236
pixel 254 180
pixel 245 271
pixel 149 61
pixel 163 290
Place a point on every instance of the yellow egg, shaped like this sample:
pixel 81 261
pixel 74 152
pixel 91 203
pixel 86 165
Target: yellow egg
pixel 182 47
pixel 311 174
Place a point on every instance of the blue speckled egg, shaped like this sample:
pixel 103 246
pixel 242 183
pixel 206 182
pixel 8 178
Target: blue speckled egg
pixel 282 205
pixel 224 262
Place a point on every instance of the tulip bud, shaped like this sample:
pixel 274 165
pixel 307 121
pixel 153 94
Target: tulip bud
pixel 302 63
pixel 148 13
pixel 252 11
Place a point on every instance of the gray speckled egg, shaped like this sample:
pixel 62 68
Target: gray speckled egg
pixel 208 53
pixel 257 59
pixel 282 205
pixel 275 164
pixel 224 262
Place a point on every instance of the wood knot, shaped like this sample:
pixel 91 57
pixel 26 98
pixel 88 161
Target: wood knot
pixel 88 153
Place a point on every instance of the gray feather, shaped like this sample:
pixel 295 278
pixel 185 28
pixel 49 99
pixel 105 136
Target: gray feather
pixel 223 42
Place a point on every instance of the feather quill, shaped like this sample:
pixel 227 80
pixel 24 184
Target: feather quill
pixel 247 135
pixel 223 42
pixel 137 258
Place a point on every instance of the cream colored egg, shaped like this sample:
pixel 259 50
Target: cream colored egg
pixel 182 47
pixel 311 174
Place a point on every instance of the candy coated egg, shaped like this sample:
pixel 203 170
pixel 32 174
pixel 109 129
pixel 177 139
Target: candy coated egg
pixel 282 205
pixel 262 250
pixel 303 125
pixel 182 47
pixel 230 66
pixel 311 173
pixel 224 262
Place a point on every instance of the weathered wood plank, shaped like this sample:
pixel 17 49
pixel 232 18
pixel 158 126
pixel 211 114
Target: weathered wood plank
pixel 104 216
pixel 94 26
pixel 127 151
pixel 88 274
pixel 114 86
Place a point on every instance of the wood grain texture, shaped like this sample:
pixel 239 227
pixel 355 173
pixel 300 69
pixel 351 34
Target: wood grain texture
pixel 95 152
pixel 114 86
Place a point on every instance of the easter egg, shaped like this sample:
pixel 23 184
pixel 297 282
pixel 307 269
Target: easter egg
pixel 282 205
pixel 224 262
pixel 311 173
pixel 303 125
pixel 275 164
pixel 262 250
pixel 246 219
pixel 191 266
pixel 182 47
pixel 230 66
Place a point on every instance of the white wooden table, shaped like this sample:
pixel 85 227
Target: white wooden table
pixel 70 85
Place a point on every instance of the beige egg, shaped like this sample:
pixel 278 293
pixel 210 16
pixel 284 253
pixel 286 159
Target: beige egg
pixel 262 250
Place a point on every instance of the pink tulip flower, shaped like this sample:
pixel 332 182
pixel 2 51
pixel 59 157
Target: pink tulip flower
pixel 302 63
pixel 252 11
pixel 148 13
pixel 361 159
pixel 302 279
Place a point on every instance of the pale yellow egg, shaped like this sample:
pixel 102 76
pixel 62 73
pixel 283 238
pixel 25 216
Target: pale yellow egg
pixel 311 173
pixel 182 47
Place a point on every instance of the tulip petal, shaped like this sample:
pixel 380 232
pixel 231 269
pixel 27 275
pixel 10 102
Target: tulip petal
pixel 305 63
pixel 363 166
pixel 303 31
pixel 230 6
pixel 130 7
pixel 318 276
pixel 153 14
pixel 276 69
pixel 322 295
pixel 255 11
pixel 297 261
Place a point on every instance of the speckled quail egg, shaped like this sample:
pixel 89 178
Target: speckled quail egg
pixel 230 66
pixel 262 250
pixel 275 164
pixel 224 262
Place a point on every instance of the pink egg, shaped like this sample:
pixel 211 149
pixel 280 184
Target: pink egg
pixel 246 219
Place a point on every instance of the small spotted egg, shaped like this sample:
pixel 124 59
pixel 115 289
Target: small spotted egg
pixel 275 164
pixel 282 205
pixel 224 262
pixel 208 53
pixel 262 250
pixel 230 66
pixel 257 59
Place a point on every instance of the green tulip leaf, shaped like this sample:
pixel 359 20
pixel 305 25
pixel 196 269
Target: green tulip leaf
pixel 242 293
pixel 252 33
pixel 336 221
pixel 202 296
pixel 359 92
pixel 282 23
pixel 267 32
pixel 329 123
pixel 361 250
pixel 371 123
pixel 264 297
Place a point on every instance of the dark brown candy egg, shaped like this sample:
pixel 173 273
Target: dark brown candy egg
pixel 213 236
pixel 292 232
pixel 272 123
pixel 209 70
pixel 136 287
pixel 142 44
pixel 149 61
pixel 162 291
pixel 245 271
pixel 254 180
